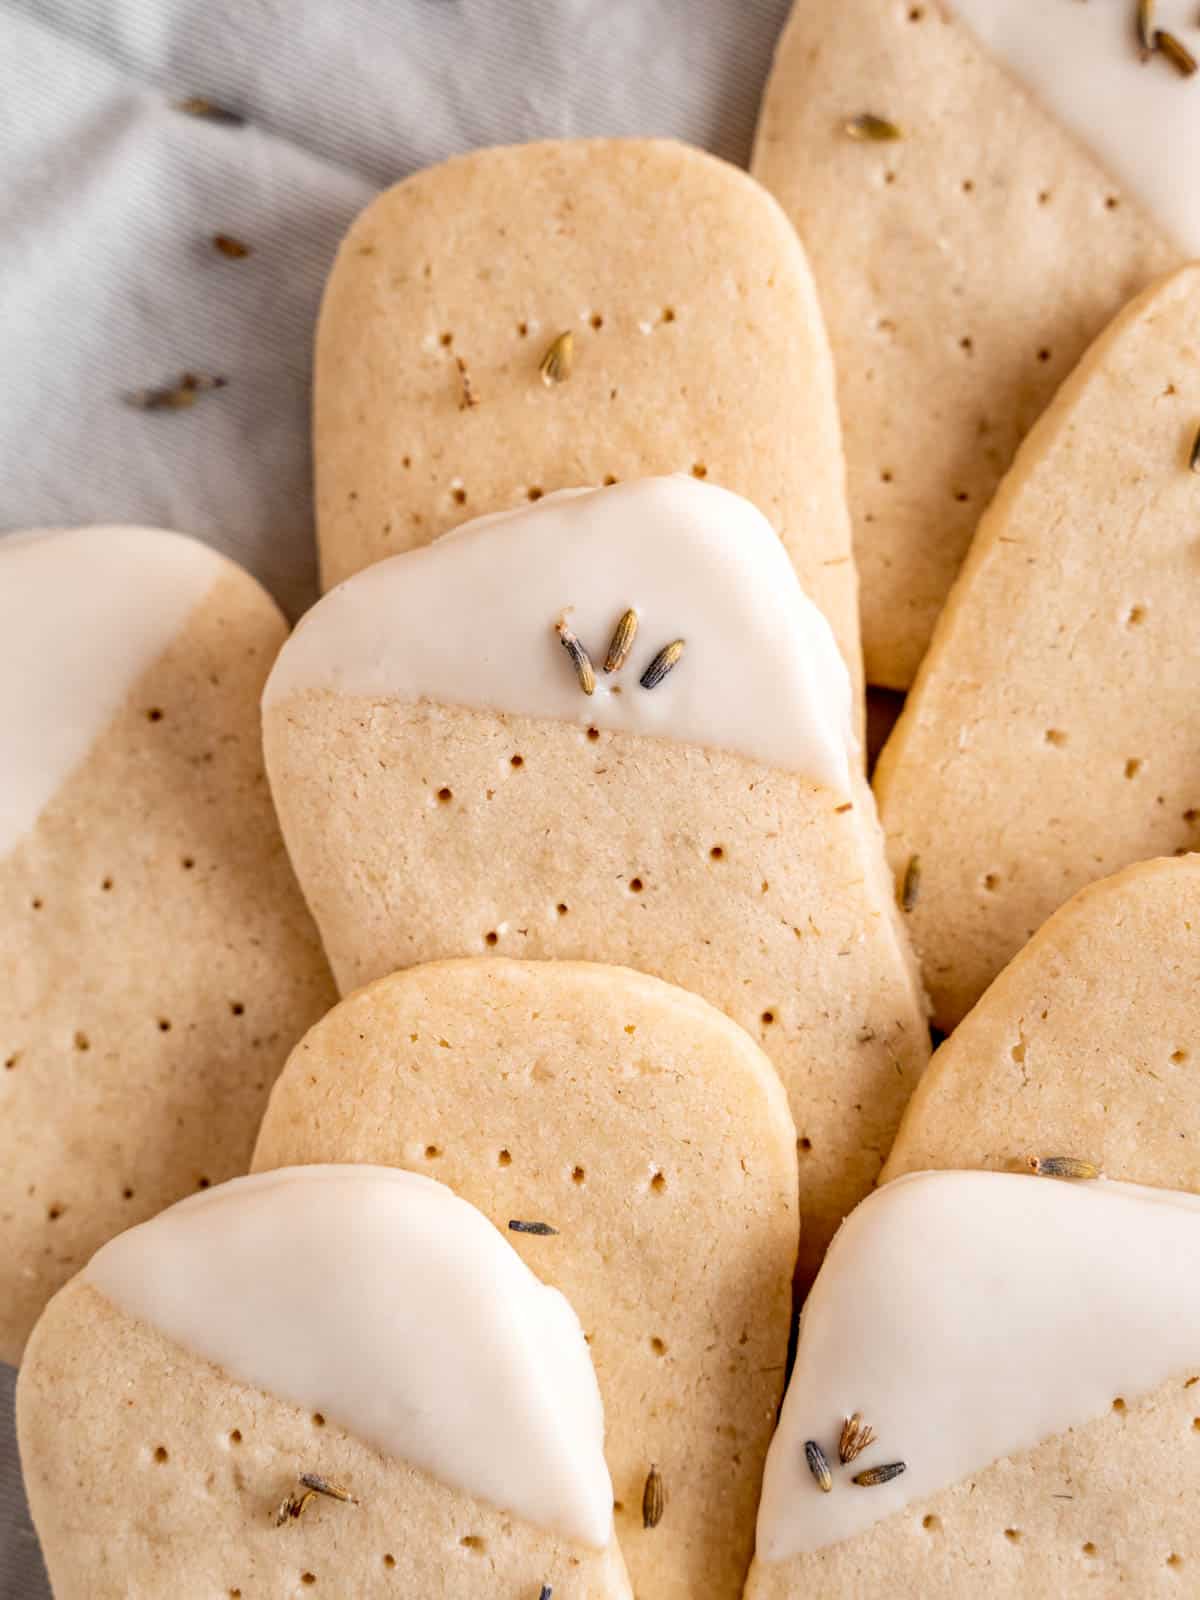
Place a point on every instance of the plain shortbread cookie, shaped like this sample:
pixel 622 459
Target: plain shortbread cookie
pixel 962 270
pixel 1086 1045
pixel 1053 733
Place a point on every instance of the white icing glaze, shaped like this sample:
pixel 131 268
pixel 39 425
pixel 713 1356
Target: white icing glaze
pixel 83 613
pixel 968 1316
pixel 382 1300
pixel 1139 118
pixel 469 621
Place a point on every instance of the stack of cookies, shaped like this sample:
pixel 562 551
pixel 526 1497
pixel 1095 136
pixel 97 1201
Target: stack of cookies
pixel 513 965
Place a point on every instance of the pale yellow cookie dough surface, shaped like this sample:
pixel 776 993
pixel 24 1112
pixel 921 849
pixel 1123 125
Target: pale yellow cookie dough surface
pixel 1086 1045
pixel 1053 733
pixel 421 832
pixel 1103 1509
pixel 159 961
pixel 151 1473
pixel 654 1135
pixel 962 271
pixel 698 347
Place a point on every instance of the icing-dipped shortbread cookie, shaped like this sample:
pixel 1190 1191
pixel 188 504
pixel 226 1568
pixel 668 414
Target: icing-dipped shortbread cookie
pixel 334 1377
pixel 452 781
pixel 158 960
pixel 1085 1045
pixel 1053 733
pixel 635 1121
pixel 693 343
pixel 997 1374
pixel 1042 174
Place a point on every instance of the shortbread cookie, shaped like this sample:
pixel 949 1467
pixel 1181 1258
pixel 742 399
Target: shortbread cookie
pixel 634 1120
pixel 695 345
pixel 1043 175
pixel 998 1374
pixel 448 787
pixel 1053 734
pixel 1086 1045
pixel 158 960
pixel 357 1326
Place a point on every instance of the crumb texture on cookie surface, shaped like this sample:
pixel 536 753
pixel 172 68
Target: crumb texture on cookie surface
pixel 431 1340
pixel 421 832
pixel 1086 1044
pixel 697 347
pixel 471 621
pixel 949 267
pixel 159 959
pixel 1052 735
pixel 151 1472
pixel 634 1119
pixel 971 1318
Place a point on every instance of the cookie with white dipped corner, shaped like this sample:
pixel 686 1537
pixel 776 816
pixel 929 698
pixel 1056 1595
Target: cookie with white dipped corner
pixel 1051 737
pixel 636 1147
pixel 611 727
pixel 338 1377
pixel 994 1394
pixel 159 961
pixel 576 311
pixel 905 141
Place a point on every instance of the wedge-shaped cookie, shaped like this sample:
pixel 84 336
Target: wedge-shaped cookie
pixel 448 786
pixel 634 1121
pixel 158 960
pixel 528 319
pixel 995 1380
pixel 980 187
pixel 1053 734
pixel 1086 1044
pixel 339 1378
